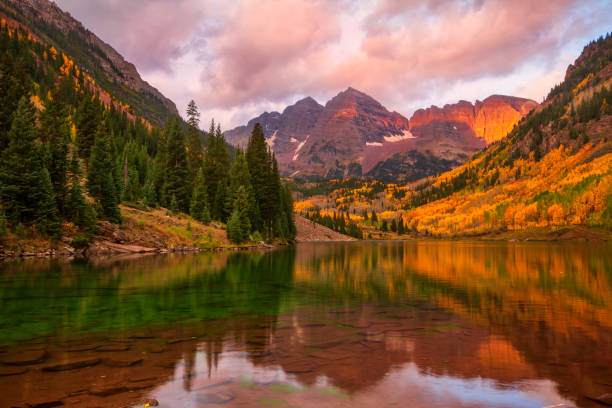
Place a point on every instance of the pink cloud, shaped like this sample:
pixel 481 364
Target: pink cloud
pixel 151 33
pixel 269 49
pixel 246 55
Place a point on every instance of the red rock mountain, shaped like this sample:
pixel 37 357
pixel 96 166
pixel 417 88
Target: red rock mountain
pixel 490 119
pixel 353 133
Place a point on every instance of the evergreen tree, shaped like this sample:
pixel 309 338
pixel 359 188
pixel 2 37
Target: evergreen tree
pixel 220 210
pixel 55 133
pixel 150 194
pixel 400 227
pixel 77 208
pixel 216 167
pixel 259 169
pixel 394 225
pixel 88 117
pixel 384 226
pixel 194 141
pixel 100 176
pixel 241 206
pixel 48 222
pixel 234 233
pixel 288 218
pixel 24 193
pixel 199 205
pixel 176 183
pixel 159 170
pixel 240 177
pixel 174 205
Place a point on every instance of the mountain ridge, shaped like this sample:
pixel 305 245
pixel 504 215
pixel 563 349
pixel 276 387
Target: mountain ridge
pixel 353 133
pixel 97 58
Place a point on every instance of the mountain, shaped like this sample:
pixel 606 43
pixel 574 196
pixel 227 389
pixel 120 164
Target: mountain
pixel 49 24
pixel 354 135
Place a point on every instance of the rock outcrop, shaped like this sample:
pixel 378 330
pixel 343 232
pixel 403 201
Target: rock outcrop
pixel 489 120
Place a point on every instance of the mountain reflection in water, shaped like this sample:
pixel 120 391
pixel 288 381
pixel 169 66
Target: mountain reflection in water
pixel 348 324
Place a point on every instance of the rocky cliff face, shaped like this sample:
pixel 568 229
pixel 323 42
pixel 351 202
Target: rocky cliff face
pixel 100 60
pixel 354 134
pixel 489 120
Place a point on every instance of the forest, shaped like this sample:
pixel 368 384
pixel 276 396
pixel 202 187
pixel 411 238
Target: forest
pixel 70 154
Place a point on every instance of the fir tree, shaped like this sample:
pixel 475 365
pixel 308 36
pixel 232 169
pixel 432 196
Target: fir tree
pixel 77 208
pixel 216 167
pixel 400 227
pixel 55 133
pixel 259 170
pixel 174 205
pixel 394 225
pixel 220 210
pixel 100 176
pixel 89 115
pixel 199 205
pixel 241 205
pixel 48 221
pixel 234 233
pixel 194 141
pixel 176 183
pixel 23 191
pixel 240 177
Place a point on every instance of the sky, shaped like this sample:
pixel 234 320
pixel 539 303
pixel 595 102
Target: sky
pixel 240 58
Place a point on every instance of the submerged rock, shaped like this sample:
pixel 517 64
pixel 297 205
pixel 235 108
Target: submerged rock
pixel 72 365
pixel 24 357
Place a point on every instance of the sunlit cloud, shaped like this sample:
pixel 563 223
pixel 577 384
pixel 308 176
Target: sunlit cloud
pixel 241 58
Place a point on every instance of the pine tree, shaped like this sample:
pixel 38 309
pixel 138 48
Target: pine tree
pixel 159 170
pixel 150 194
pixel 287 209
pixel 23 190
pixel 55 133
pixel 216 167
pixel 174 205
pixel 394 225
pixel 47 220
pixel 199 205
pixel 220 210
pixel 77 208
pixel 234 233
pixel 259 169
pixel 176 183
pixel 89 115
pixel 100 176
pixel 240 177
pixel 384 226
pixel 194 141
pixel 400 227
pixel 241 205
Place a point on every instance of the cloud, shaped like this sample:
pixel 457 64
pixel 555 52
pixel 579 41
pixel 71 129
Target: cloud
pixel 270 49
pixel 151 33
pixel 246 56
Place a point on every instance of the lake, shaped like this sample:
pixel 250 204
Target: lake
pixel 356 324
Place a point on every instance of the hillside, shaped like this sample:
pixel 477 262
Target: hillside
pixel 353 135
pixel 49 24
pixel 552 172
